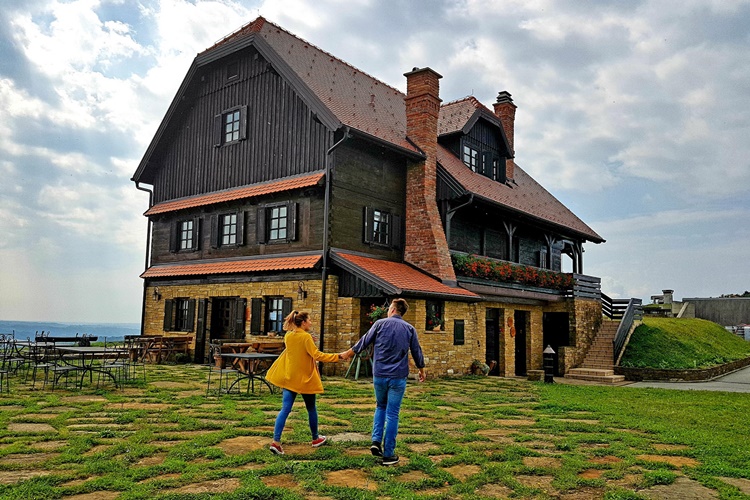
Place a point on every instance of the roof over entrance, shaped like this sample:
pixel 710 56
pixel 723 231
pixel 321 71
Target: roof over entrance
pixel 234 266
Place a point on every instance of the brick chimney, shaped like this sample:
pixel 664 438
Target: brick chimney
pixel 425 244
pixel 506 111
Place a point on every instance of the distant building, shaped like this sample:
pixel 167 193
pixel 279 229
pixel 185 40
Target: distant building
pixel 726 311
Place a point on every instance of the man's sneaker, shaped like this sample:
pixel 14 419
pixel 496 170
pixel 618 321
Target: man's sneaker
pixel 376 450
pixel 390 460
pixel 319 441
pixel 276 449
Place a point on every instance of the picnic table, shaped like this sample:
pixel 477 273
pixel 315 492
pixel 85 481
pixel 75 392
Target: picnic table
pixel 251 366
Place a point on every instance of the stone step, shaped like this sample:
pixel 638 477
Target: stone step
pixel 601 372
pixel 595 375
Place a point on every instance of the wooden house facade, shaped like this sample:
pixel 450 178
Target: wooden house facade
pixel 283 178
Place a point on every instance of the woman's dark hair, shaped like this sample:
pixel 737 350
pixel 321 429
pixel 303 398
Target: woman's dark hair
pixel 295 320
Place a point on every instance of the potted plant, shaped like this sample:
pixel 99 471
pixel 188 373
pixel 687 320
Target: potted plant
pixel 377 312
pixel 434 321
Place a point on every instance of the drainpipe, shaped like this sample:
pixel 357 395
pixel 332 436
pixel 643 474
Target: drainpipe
pixel 148 253
pixel 326 230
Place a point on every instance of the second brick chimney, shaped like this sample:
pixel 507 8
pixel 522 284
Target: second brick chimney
pixel 506 111
pixel 425 244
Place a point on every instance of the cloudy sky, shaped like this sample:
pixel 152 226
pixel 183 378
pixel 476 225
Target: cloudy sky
pixel 634 114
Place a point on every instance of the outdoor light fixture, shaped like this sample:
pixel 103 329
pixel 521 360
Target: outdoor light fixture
pixel 156 294
pixel 301 292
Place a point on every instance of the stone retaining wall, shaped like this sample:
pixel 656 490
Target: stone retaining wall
pixel 641 374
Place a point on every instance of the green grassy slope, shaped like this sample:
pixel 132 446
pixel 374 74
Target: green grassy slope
pixel 671 343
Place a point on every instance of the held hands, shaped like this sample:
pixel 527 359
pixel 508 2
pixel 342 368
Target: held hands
pixel 346 354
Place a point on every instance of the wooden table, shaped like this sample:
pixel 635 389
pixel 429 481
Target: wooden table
pixel 251 366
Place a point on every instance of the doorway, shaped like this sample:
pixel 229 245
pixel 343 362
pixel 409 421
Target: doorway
pixel 519 320
pixel 556 333
pixel 492 340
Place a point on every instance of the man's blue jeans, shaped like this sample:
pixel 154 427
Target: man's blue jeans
pixel 389 392
pixel 287 400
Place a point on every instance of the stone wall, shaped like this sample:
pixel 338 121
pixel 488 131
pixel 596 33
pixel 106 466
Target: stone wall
pixel 639 374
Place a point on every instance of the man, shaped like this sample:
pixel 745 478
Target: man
pixel 393 339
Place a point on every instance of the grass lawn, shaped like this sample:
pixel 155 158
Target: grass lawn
pixel 467 438
pixel 671 343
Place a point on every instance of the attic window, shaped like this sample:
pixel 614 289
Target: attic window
pixel 233 70
pixel 471 157
pixel 230 126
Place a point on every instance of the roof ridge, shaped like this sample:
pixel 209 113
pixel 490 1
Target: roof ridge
pixel 476 101
pixel 256 25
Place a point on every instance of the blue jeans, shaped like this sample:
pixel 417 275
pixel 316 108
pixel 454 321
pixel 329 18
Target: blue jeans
pixel 389 392
pixel 287 400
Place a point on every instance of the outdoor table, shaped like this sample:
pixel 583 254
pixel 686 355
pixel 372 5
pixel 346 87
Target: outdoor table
pixel 82 359
pixel 251 367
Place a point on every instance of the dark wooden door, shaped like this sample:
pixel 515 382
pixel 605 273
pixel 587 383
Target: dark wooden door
pixel 556 333
pixel 519 320
pixel 492 340
pixel 200 332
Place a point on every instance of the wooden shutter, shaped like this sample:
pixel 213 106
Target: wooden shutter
pixel 168 321
pixel 214 231
pixel 240 228
pixel 200 332
pixel 255 316
pixel 286 307
pixel 291 225
pixel 260 228
pixel 500 177
pixel 174 238
pixel 396 231
pixel 196 233
pixel 218 130
pixel 190 316
pixel 367 226
pixel 487 164
pixel 458 332
pixel 239 318
pixel 243 122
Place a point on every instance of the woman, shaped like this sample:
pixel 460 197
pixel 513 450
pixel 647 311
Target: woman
pixel 296 372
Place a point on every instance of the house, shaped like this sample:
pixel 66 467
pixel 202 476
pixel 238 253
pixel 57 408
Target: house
pixel 282 177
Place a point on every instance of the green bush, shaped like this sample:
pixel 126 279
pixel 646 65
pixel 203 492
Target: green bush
pixel 679 344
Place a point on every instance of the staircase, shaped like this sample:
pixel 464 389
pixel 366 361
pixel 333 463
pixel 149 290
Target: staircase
pixel 598 364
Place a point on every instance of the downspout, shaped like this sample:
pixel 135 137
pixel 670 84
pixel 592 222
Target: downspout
pixel 326 230
pixel 148 254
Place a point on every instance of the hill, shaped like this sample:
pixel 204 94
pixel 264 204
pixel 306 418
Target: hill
pixel 670 343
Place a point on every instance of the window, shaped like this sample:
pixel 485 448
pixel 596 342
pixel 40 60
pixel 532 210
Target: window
pixel 274 314
pixel 382 228
pixel 543 258
pixel 230 126
pixel 458 332
pixel 276 309
pixel 184 235
pixel 277 222
pixel 179 315
pixel 434 317
pixel 471 157
pixel 228 229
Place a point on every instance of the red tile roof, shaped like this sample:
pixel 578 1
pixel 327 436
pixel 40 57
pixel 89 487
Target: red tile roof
pixel 403 277
pixel 354 97
pixel 233 266
pixel 454 115
pixel 238 193
pixel 524 195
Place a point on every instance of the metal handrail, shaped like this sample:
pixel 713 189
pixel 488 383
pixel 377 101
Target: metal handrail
pixel 633 312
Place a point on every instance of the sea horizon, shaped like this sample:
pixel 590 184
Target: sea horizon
pixel 29 329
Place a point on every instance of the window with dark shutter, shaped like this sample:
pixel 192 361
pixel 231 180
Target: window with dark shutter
pixel 500 170
pixel 230 126
pixel 458 332
pixel 239 318
pixel 174 237
pixel 260 228
pixel 396 231
pixel 214 231
pixel 168 318
pixel 487 164
pixel 190 319
pixel 367 225
pixel 256 318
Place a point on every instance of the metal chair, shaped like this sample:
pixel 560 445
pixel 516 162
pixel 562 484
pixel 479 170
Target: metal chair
pixel 216 367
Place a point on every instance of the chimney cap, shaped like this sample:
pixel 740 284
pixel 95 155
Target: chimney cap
pixel 504 96
pixel 420 70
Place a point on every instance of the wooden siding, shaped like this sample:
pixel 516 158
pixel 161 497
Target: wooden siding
pixel 283 137
pixel 310 208
pixel 365 175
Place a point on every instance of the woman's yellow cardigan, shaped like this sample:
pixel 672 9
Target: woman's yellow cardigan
pixel 296 368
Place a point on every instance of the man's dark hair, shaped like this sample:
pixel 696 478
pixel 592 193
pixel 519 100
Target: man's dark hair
pixel 400 305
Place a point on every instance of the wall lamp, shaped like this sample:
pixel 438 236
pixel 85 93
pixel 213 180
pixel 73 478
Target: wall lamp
pixel 301 292
pixel 156 295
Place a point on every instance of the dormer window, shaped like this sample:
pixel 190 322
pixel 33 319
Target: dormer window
pixel 471 157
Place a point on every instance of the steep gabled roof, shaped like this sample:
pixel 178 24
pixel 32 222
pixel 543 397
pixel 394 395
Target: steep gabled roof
pixel 524 196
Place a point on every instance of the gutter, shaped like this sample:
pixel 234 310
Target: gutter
pixel 148 253
pixel 326 230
